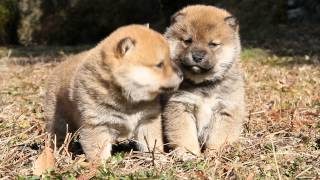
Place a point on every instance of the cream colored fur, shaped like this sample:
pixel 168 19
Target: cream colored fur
pixel 111 92
pixel 208 109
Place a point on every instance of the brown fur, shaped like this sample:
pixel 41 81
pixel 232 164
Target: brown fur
pixel 111 92
pixel 208 110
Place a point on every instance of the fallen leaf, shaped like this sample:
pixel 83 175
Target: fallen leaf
pixel 201 175
pixel 250 176
pixel 45 161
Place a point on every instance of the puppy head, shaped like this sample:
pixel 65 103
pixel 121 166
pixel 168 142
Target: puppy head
pixel 140 63
pixel 204 42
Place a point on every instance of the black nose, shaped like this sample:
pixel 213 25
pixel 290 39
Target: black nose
pixel 198 56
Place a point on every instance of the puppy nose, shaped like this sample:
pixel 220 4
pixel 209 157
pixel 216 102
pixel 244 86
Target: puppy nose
pixel 198 56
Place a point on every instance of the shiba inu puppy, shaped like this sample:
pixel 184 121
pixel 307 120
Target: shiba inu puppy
pixel 111 92
pixel 208 109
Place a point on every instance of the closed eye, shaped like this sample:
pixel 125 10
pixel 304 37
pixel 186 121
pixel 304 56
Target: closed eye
pixel 213 44
pixel 160 65
pixel 188 41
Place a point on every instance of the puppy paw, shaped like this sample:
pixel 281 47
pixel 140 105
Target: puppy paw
pixel 183 154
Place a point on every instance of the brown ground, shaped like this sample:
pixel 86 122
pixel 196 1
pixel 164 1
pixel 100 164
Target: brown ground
pixel 281 138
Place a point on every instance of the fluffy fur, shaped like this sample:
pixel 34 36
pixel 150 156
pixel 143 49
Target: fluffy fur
pixel 111 92
pixel 208 109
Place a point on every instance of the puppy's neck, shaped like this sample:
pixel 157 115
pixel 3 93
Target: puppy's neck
pixel 207 83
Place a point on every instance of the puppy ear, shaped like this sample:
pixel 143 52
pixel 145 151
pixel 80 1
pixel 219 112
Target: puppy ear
pixel 232 22
pixel 125 45
pixel 176 17
pixel 147 25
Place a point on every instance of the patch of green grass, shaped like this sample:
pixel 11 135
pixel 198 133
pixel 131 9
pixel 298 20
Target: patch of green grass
pixel 105 173
pixel 266 57
pixel 189 165
pixel 28 178
pixel 254 54
pixel 119 156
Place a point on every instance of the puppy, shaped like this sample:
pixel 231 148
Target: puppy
pixel 111 92
pixel 208 109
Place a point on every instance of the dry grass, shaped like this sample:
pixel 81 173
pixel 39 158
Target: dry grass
pixel 280 140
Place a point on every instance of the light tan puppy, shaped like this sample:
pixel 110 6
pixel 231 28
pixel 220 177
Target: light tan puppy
pixel 111 92
pixel 209 108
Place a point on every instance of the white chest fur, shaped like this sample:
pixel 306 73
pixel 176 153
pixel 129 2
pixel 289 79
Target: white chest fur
pixel 205 107
pixel 132 122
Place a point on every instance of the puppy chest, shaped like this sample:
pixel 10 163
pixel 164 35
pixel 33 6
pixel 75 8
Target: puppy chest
pixel 129 124
pixel 205 111
pixel 133 121
pixel 204 105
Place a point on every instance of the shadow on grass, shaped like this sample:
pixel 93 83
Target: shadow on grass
pixel 122 147
pixel 284 45
pixel 39 54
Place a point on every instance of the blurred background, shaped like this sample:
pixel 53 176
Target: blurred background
pixel 286 27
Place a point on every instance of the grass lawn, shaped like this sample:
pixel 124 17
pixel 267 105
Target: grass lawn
pixel 280 139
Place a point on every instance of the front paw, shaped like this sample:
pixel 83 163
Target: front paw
pixel 105 152
pixel 183 154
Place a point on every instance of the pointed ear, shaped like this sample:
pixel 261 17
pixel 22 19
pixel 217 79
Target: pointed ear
pixel 147 25
pixel 124 45
pixel 176 17
pixel 232 22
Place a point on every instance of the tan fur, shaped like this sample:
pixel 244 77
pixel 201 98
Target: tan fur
pixel 111 92
pixel 208 109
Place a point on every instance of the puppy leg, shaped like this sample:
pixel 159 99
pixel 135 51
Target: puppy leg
pixel 180 128
pixel 96 142
pixel 226 128
pixel 56 122
pixel 151 132
pixel 56 125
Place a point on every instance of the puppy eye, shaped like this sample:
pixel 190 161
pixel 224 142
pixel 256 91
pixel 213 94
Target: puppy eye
pixel 213 45
pixel 160 65
pixel 188 41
